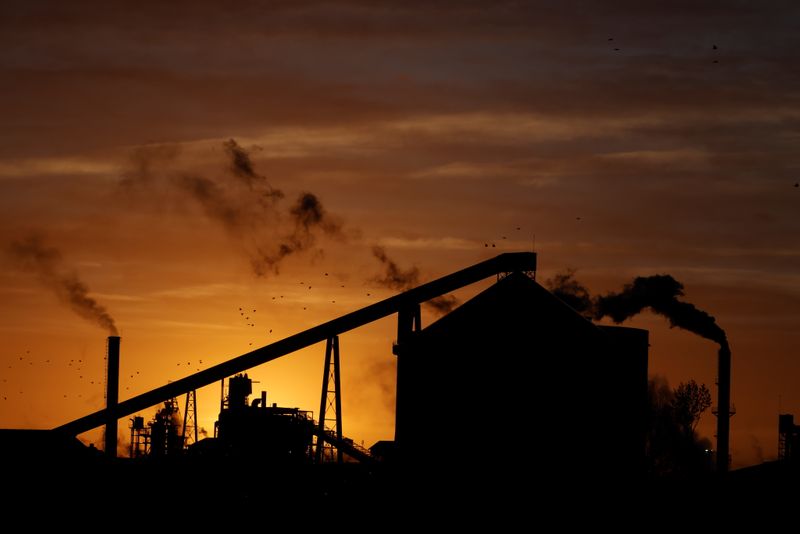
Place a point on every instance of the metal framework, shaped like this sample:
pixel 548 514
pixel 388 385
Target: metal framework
pixel 509 262
pixel 190 419
pixel 140 438
pixel 331 401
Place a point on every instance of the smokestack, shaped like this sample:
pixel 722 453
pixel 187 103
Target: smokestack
pixel 660 293
pixel 112 395
pixel 723 407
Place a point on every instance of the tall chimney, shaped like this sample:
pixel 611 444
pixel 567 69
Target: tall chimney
pixel 112 395
pixel 723 407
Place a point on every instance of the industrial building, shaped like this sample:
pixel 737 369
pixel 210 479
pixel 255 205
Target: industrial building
pixel 532 383
pixel 512 381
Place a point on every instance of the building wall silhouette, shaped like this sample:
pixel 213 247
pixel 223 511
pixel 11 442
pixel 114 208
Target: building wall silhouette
pixel 516 381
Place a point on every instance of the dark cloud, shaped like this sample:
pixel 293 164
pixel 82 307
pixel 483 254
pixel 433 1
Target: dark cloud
pixel 33 255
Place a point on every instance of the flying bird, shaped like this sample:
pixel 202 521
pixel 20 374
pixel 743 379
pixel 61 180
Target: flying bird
pixel 714 47
pixel 796 184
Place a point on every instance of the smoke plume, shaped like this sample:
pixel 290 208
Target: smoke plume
pixel 33 255
pixel 659 293
pixel 393 276
pixel 308 215
pixel 242 168
pixel 214 202
pixel 239 200
pixel 398 279
pixel 442 304
pixel 566 287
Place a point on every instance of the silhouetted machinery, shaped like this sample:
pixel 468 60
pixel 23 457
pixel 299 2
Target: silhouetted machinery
pixel 159 437
pixel 256 430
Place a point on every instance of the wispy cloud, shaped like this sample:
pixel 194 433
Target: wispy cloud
pixel 200 291
pixel 428 243
pixel 11 168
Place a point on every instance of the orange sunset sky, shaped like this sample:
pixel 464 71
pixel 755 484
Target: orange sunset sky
pixel 630 139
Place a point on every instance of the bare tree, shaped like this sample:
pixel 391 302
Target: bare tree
pixel 689 403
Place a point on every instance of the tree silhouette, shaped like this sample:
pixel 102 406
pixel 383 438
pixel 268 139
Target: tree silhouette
pixel 689 402
pixel 673 449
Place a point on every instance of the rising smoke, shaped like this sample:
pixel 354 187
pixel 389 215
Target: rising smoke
pixel 660 294
pixel 242 168
pixel 214 201
pixel 399 279
pixel 393 276
pixel 241 201
pixel 308 216
pixel 566 287
pixel 32 255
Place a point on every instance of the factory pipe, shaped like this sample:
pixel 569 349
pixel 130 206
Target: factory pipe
pixel 503 263
pixel 112 396
pixel 723 407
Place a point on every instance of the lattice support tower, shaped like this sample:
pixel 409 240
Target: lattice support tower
pixel 330 401
pixel 189 429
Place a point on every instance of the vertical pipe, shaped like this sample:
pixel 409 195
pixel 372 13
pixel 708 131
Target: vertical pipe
pixel 409 320
pixel 185 417
pixel 724 408
pixel 112 396
pixel 221 395
pixel 338 385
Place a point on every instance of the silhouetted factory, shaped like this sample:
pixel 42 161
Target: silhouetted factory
pixel 512 381
pixel 522 374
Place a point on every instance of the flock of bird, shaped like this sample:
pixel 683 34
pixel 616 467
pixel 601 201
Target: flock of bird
pixel 78 370
pixel 75 368
pixel 713 47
